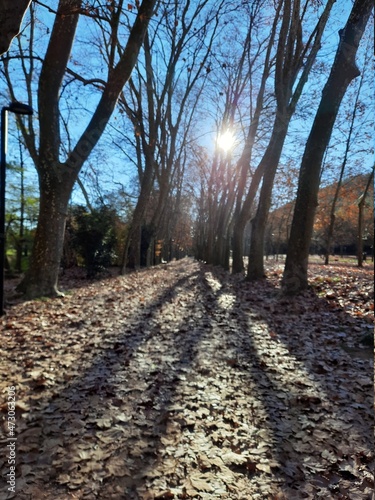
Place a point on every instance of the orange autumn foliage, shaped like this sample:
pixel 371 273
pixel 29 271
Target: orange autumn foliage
pixel 346 216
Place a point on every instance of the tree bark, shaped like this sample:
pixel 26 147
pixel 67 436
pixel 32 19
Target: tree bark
pixel 54 178
pixel 132 250
pixel 49 237
pixel 11 15
pixel 243 218
pixel 343 71
pixel 156 105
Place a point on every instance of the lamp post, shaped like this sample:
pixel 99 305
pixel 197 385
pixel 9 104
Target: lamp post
pixel 19 109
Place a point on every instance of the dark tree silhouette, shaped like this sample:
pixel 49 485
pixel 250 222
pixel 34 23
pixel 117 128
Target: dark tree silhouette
pixel 11 15
pixel 344 70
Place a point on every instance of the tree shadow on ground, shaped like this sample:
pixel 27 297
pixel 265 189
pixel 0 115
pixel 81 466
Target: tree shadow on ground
pixel 318 420
pixel 112 428
pixel 72 278
pixel 65 433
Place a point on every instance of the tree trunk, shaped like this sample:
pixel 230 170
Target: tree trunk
pixel 271 161
pixel 133 247
pixel 42 276
pixel 55 179
pixel 157 219
pixel 361 206
pixel 11 15
pixel 343 71
pixel 288 65
pixel 131 258
pixel 242 213
pixel 237 250
pixel 243 218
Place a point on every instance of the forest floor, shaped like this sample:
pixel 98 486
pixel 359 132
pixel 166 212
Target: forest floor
pixel 184 382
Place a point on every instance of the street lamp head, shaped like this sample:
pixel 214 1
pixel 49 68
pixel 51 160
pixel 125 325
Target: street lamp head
pixel 19 108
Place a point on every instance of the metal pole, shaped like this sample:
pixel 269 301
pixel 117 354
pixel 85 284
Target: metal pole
pixel 19 109
pixel 4 131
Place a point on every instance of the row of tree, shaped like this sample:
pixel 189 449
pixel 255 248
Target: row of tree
pixel 248 69
pixel 95 234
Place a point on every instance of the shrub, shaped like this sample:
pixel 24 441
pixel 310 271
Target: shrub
pixel 92 236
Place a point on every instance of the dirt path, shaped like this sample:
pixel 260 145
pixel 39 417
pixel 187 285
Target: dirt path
pixel 183 382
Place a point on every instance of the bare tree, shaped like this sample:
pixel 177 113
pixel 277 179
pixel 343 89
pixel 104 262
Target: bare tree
pixel 351 138
pixel 161 101
pixel 222 178
pixel 56 177
pixel 239 102
pixel 344 70
pixel 293 57
pixel 246 193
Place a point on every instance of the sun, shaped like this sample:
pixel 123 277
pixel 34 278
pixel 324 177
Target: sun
pixel 226 140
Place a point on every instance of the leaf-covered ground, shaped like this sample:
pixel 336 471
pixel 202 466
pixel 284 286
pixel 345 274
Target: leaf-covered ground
pixel 185 382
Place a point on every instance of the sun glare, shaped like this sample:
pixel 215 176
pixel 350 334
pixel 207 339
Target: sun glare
pixel 226 140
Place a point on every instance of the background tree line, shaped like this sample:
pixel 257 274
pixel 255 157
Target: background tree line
pixel 152 86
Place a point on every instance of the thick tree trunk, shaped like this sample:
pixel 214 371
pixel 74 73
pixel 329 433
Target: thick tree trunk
pixel 242 213
pixel 42 276
pixel 159 214
pixel 288 64
pixel 237 250
pixel 132 254
pixel 56 180
pixel 344 70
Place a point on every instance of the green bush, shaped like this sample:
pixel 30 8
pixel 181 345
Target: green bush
pixel 92 236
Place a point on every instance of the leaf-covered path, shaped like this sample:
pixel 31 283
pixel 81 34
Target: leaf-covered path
pixel 184 382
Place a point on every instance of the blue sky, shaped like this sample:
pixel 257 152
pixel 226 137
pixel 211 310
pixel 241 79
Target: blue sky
pixel 109 162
